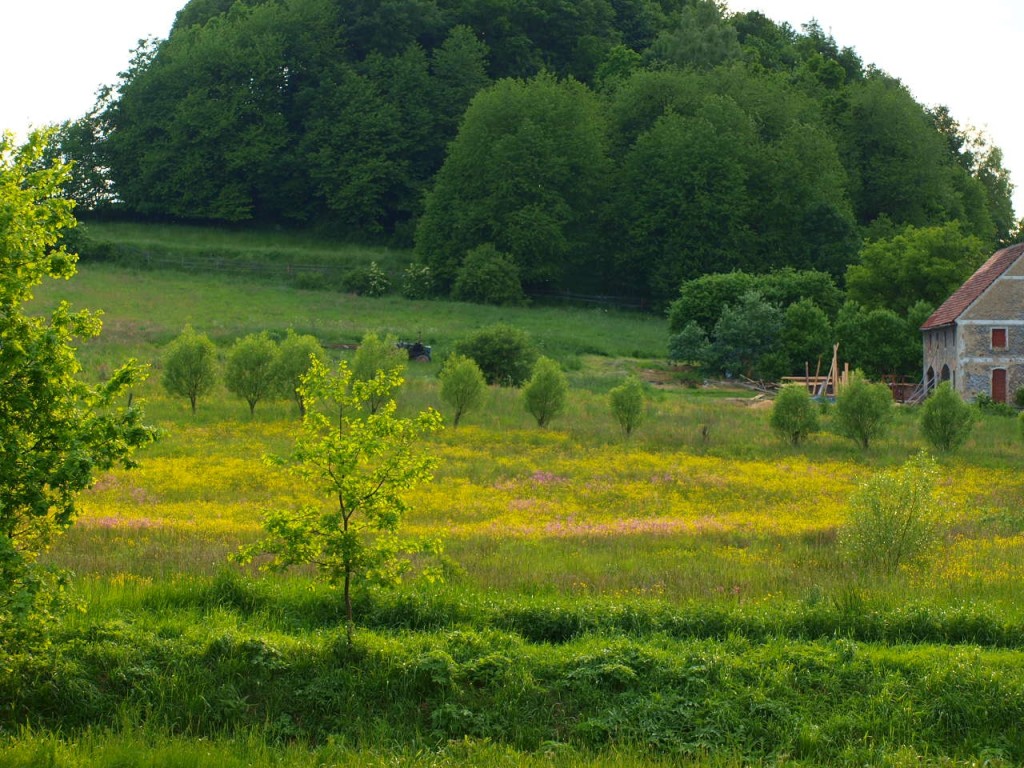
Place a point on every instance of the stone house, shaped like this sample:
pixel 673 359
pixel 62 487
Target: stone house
pixel 976 338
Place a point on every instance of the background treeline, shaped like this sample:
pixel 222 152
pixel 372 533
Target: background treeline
pixel 617 146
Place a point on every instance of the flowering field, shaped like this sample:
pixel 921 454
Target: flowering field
pixel 568 510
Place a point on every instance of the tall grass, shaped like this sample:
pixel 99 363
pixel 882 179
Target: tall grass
pixel 673 598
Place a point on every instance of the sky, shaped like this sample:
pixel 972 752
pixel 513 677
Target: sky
pixel 55 54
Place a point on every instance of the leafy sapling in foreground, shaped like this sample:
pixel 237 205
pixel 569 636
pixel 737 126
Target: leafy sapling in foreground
pixel 546 393
pixel 794 414
pixel 362 465
pixel 627 403
pixel 462 385
pixel 251 369
pixel 190 366
pixel 894 518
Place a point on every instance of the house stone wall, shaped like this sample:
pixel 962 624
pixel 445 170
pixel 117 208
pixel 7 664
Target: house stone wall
pixel 940 349
pixel 1001 306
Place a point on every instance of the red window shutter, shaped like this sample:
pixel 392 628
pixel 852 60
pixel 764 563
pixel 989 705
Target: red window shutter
pixel 998 338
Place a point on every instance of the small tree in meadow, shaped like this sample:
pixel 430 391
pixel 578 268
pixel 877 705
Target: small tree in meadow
pixel 373 356
pixel 946 420
pixel 293 361
pixel 863 410
pixel 627 403
pixel 190 366
pixel 794 414
pixel 894 519
pixel 462 385
pixel 251 368
pixel 362 465
pixel 546 393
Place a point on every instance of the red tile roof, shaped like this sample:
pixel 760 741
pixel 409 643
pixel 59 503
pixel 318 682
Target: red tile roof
pixel 976 285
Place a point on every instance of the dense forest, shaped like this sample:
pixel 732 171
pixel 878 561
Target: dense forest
pixel 617 146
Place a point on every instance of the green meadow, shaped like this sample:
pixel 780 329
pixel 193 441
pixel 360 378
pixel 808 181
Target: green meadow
pixel 674 598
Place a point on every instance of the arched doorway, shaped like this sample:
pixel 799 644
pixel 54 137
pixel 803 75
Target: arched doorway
pixel 945 373
pixel 929 380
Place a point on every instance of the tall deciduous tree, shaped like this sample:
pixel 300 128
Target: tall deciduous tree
pixel 917 264
pixel 362 465
pixel 526 172
pixel 56 431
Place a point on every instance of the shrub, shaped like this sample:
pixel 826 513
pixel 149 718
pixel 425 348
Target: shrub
pixel 986 404
pixel 488 276
pixel 1018 398
pixel 894 517
pixel 251 368
pixel 546 392
pixel 627 403
pixel 1020 422
pixel 863 410
pixel 505 354
pixel 462 385
pixel 690 345
pixel 368 281
pixel 946 420
pixel 417 281
pixel 794 415
pixel 190 366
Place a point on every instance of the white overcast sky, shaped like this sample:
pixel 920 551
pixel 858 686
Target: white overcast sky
pixel 55 54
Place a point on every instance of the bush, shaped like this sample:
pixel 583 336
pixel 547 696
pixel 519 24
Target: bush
pixel 488 276
pixel 505 354
pixel 462 385
pixel 863 410
pixel 894 518
pixel 627 403
pixel 367 281
pixel 417 281
pixel 794 415
pixel 1020 423
pixel 546 392
pixel 690 345
pixel 1018 398
pixel 986 404
pixel 946 420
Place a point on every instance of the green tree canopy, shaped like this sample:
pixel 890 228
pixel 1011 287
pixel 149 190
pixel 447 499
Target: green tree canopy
pixel 251 369
pixel 525 173
pixel 190 366
pixel 917 264
pixel 56 431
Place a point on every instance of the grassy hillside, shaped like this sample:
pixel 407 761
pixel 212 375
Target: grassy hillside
pixel 675 598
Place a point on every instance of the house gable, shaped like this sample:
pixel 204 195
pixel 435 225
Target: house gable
pixel 1004 261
